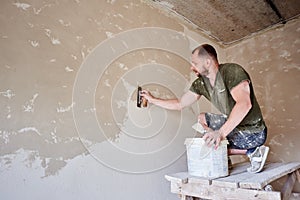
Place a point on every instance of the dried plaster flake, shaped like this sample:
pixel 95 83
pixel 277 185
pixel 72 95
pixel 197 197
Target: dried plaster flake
pixel 26 6
pixel 285 54
pixel 111 1
pixel 82 51
pixel 109 34
pixel 122 66
pixel 5 135
pixel 8 112
pixel 54 41
pixel 54 137
pixel 106 83
pixel 29 105
pixel 63 23
pixel 8 93
pixel 30 25
pixel 74 57
pixel 34 43
pixel 61 109
pixel 38 10
pixel 29 129
pixel 68 69
pixel 23 6
pixel 90 110
pixel 79 38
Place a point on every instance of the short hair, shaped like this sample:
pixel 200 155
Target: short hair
pixel 206 49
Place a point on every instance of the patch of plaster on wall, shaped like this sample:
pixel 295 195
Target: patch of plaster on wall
pixel 63 23
pixel 68 69
pixel 37 11
pixel 6 134
pixel 23 6
pixel 34 43
pixel 109 34
pixel 29 129
pixel 61 109
pixel 29 105
pixel 54 41
pixel 276 140
pixel 285 54
pixel 8 112
pixel 8 93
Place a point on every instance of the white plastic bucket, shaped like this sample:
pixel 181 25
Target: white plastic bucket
pixel 206 161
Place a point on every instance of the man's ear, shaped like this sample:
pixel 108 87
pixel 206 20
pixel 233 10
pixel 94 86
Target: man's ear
pixel 208 62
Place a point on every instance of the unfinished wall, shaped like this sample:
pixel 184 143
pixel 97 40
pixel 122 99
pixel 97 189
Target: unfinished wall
pixel 107 148
pixel 272 59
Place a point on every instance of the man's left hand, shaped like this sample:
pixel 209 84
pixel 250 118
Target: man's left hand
pixel 213 137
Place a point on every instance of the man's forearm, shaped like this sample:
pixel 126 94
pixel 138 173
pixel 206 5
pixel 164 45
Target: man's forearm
pixel 170 104
pixel 241 95
pixel 237 114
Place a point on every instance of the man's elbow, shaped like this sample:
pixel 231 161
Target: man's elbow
pixel 248 106
pixel 180 106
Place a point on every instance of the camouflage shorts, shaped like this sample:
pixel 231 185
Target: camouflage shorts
pixel 237 139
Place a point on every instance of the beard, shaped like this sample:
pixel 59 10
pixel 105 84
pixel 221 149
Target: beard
pixel 203 73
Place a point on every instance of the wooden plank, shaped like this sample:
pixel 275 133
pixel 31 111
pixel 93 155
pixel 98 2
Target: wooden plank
pixel 184 177
pixel 200 180
pixel 238 173
pixel 239 168
pixel 271 172
pixel 181 177
pixel 175 187
pixel 288 186
pixel 218 193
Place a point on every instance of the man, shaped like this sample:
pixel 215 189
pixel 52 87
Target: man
pixel 229 88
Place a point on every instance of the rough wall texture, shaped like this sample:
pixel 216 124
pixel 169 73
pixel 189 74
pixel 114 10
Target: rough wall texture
pixel 273 59
pixel 42 155
pixel 43 46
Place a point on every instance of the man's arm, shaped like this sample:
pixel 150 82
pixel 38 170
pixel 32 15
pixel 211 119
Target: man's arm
pixel 241 95
pixel 172 104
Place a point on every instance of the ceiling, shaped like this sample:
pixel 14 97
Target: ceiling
pixel 229 21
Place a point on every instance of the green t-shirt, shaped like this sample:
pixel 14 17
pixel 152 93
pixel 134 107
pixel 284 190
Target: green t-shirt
pixel 229 76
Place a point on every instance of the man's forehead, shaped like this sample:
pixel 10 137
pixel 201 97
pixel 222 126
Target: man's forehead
pixel 195 56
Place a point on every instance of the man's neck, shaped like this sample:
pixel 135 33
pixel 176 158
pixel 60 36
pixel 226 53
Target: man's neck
pixel 213 74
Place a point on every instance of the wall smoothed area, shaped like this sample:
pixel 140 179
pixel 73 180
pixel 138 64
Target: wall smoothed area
pixel 69 70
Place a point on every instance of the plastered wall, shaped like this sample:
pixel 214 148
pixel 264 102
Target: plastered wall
pixel 69 127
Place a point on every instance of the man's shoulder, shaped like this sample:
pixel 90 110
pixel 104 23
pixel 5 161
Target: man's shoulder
pixel 231 68
pixel 228 66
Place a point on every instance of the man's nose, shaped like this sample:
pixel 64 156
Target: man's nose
pixel 193 67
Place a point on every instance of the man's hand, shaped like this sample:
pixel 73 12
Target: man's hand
pixel 147 95
pixel 213 137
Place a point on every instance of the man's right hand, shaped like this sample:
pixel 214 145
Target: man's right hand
pixel 147 95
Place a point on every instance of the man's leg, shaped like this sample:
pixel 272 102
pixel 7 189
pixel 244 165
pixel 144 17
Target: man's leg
pixel 237 151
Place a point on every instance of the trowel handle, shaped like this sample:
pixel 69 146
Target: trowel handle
pixel 139 97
